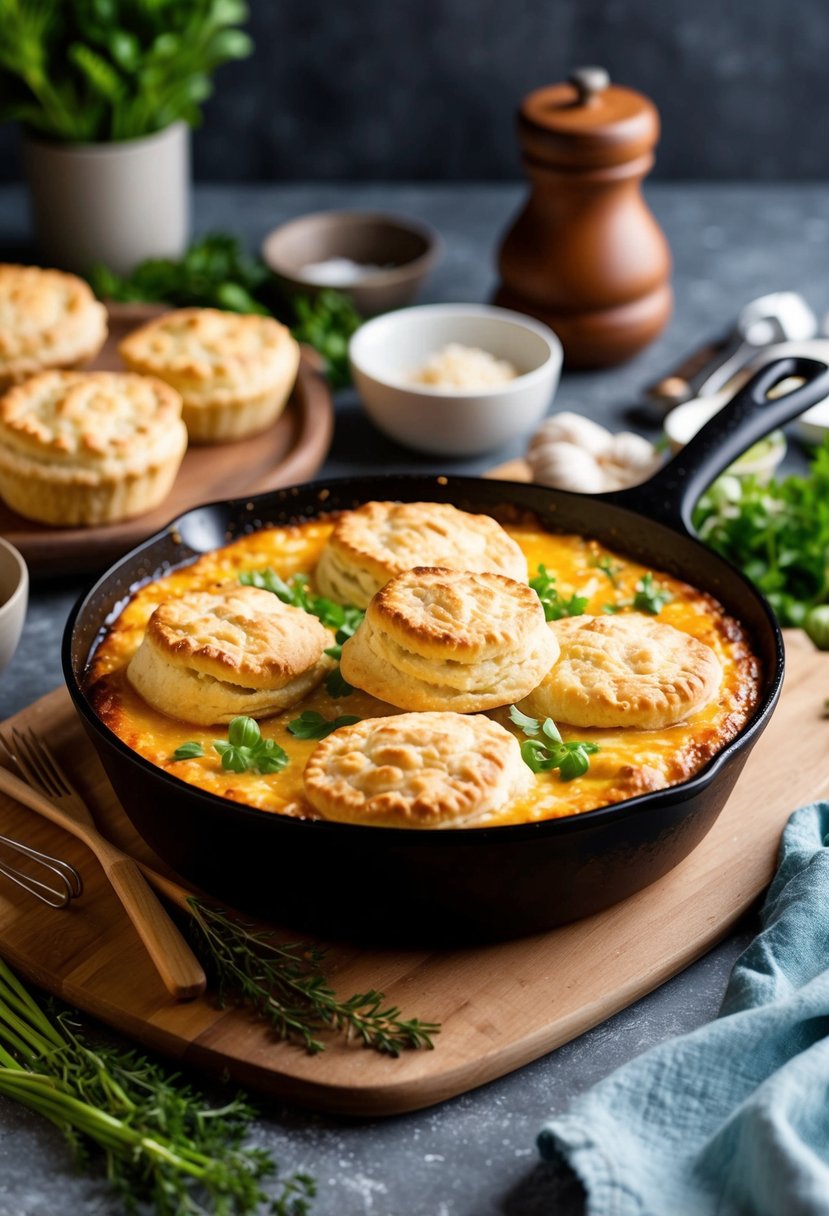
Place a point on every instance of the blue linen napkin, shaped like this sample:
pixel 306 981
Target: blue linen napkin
pixel 732 1119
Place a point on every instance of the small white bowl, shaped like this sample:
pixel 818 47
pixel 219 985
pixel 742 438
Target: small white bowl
pixel 384 352
pixel 14 596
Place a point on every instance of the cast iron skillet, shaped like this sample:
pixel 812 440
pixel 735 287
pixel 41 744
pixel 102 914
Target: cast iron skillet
pixel 451 885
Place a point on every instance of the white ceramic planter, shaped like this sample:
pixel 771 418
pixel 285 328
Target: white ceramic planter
pixel 112 203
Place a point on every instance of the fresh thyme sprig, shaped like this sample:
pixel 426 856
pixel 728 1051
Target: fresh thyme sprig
pixel 552 601
pixel 571 759
pixel 158 1141
pixel 285 985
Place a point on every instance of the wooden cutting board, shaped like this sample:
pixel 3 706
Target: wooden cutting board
pixel 292 450
pixel 500 1006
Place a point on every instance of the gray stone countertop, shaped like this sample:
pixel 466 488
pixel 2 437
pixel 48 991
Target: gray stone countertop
pixel 473 1156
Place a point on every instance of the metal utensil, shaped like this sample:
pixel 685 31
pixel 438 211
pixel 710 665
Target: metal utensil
pixel 69 882
pixel 782 316
pixel 55 797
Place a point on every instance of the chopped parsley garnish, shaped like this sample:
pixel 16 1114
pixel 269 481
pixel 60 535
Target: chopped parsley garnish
pixel 312 725
pixel 552 601
pixel 650 596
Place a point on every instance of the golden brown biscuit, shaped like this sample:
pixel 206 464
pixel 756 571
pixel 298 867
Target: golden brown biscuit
pixel 212 655
pixel 234 372
pixel 84 448
pixel 380 539
pixel 430 770
pixel 625 671
pixel 47 319
pixel 447 639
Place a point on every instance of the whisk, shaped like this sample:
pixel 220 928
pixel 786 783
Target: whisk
pixel 63 882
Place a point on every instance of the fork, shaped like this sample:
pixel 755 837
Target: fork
pixel 50 792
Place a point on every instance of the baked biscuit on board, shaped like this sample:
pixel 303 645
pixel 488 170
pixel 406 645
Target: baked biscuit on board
pixel 380 539
pixel 48 319
pixel 625 671
pixel 449 639
pixel 89 448
pixel 430 770
pixel 212 655
pixel 234 372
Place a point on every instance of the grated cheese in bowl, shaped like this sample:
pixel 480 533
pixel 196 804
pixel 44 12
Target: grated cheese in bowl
pixel 463 369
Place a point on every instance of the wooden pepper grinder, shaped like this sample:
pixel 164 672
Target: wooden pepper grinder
pixel 586 256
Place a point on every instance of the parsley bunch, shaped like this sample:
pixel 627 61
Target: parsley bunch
pixel 778 534
pixel 571 759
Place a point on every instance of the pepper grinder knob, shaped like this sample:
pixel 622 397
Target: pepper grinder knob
pixel 589 82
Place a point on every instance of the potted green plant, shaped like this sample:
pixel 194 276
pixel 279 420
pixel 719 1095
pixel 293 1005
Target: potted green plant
pixel 106 91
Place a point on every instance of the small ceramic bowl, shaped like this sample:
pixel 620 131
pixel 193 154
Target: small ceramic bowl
pixel 759 461
pixel 14 595
pixel 405 250
pixel 386 351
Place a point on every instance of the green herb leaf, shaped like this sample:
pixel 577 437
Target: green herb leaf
pixel 188 751
pixel 344 618
pixel 612 609
pixel 650 596
pixel 245 750
pixel 610 569
pixel 312 725
pixel 529 726
pixel 571 759
pixel 327 323
pixel 552 601
pixel 336 686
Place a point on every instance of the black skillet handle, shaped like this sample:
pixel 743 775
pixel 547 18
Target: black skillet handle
pixel 670 495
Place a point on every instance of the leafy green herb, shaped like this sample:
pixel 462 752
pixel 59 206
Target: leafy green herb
pixel 344 618
pixel 336 685
pixel 96 70
pixel 610 569
pixel 245 750
pixel 156 1140
pixel 816 625
pixel 188 751
pixel 778 534
pixel 311 725
pixel 327 323
pixel 650 596
pixel 530 726
pixel 284 984
pixel 612 609
pixel 552 601
pixel 571 759
pixel 215 272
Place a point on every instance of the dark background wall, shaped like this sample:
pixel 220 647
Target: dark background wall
pixel 426 89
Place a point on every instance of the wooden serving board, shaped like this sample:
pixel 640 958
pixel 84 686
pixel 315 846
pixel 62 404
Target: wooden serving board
pixel 292 450
pixel 500 1006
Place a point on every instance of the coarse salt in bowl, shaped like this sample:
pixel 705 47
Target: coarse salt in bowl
pixel 388 353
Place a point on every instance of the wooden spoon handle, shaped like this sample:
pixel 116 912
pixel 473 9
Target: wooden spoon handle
pixel 179 969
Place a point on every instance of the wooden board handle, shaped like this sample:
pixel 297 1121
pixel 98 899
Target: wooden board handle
pixel 179 969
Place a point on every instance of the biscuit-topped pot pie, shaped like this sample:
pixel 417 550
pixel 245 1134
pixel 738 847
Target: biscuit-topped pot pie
pixel 414 712
pixel 234 372
pixel 89 448
pixel 48 319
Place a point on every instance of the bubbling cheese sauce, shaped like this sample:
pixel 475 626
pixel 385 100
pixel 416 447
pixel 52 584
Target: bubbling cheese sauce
pixel 629 761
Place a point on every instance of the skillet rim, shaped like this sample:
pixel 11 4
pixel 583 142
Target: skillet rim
pixel 682 791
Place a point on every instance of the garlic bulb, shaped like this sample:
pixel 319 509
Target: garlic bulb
pixel 576 429
pixel 571 452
